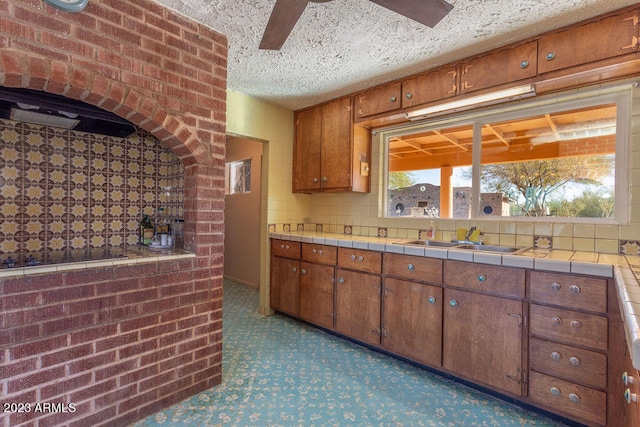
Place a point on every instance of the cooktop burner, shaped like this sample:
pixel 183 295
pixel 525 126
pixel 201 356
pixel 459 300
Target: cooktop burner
pixel 19 260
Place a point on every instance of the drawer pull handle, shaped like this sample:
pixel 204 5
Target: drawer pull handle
pixel 353 257
pixel 453 303
pixel 574 398
pixel 432 300
pixel 408 95
pixel 575 289
pixel 575 324
pixel 550 56
pixel 524 64
pixel 320 252
pixel 557 321
pixel 556 356
pixel 627 379
pixel 281 246
pixel 630 397
pixel 575 361
pixel 555 286
pixel 482 277
pixel 360 258
pixel 392 99
pixel 555 391
pixel 410 267
pixel 313 251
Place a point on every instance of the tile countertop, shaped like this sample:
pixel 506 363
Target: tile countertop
pixel 625 269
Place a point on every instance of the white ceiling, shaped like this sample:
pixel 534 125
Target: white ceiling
pixel 340 47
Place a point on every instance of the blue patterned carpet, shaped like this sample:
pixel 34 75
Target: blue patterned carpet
pixel 278 372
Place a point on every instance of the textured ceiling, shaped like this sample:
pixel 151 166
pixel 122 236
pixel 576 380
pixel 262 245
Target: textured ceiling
pixel 343 46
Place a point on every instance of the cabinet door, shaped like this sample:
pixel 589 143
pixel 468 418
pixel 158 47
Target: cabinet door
pixel 316 293
pixel 306 151
pixel 380 100
pixel 412 321
pixel 358 306
pixel 337 145
pixel 433 86
pixel 609 37
pixel 509 65
pixel 482 339
pixel 284 284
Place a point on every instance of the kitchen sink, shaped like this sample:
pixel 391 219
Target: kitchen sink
pixel 492 248
pixel 435 243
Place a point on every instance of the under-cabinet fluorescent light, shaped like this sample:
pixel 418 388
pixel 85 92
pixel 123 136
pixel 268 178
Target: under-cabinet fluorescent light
pixel 505 95
pixel 33 117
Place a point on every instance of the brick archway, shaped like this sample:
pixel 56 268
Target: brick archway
pixel 167 75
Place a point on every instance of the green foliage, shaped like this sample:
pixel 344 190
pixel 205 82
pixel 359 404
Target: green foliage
pixel 401 180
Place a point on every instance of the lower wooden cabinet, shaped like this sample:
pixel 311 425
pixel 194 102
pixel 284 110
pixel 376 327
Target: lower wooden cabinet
pixel 358 306
pixel 412 321
pixel 284 284
pixel 482 339
pixel 316 294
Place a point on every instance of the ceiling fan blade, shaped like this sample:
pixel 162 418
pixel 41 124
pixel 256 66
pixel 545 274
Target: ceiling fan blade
pixel 426 12
pixel 283 18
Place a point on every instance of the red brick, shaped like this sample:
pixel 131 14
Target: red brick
pixel 40 377
pixel 66 355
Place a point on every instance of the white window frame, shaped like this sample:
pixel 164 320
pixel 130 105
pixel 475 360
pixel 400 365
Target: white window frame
pixel 620 95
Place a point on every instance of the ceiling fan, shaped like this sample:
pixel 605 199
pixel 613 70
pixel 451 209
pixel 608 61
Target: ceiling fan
pixel 287 12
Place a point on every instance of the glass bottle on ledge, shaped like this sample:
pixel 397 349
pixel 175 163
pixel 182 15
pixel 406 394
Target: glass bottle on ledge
pixel 146 230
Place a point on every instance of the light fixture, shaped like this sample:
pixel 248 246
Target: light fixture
pixel 33 117
pixel 483 100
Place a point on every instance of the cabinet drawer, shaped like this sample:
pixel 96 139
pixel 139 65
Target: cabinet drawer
pixel 585 293
pixel 570 363
pixel 361 260
pixel 569 326
pixel 285 248
pixel 320 254
pixel 575 400
pixel 413 267
pixel 435 85
pixel 506 281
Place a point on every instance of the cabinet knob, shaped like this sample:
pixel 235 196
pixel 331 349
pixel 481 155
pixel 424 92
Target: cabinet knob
pixel 575 361
pixel 630 397
pixel 360 258
pixel 353 257
pixel 555 286
pixel 341 280
pixel 286 247
pixel 574 398
pixel 556 320
pixel 315 180
pixel 303 271
pixel 627 379
pixel 410 267
pixel 575 289
pixel 293 270
pixel 324 179
pixel 281 246
pixel 320 252
pixel 453 303
pixel 482 277
pixel 550 56
pixel 555 391
pixel 556 356
pixel 575 324
pixel 432 300
pixel 524 64
pixel 313 251
pixel 392 99
pixel 408 96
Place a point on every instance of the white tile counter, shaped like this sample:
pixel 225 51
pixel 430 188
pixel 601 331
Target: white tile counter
pixel 625 269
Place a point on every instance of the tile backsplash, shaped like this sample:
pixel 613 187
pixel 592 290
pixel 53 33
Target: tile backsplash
pixel 63 190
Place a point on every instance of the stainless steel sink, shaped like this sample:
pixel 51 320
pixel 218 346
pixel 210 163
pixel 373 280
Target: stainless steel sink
pixel 492 248
pixel 435 243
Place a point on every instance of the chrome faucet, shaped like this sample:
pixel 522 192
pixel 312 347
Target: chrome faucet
pixel 469 233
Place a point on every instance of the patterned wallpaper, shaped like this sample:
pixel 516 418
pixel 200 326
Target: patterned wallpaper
pixel 63 190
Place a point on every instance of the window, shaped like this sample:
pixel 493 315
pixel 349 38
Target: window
pixel 558 159
pixel 238 177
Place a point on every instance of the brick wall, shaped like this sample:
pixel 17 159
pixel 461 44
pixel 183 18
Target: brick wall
pixel 121 343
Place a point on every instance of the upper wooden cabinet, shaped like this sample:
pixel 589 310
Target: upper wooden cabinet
pixel 438 84
pixel 594 41
pixel 504 66
pixel 330 153
pixel 380 100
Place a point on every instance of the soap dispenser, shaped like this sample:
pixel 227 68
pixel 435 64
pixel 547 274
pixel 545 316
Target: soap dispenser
pixel 431 231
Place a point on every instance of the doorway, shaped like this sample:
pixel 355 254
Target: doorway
pixel 242 210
